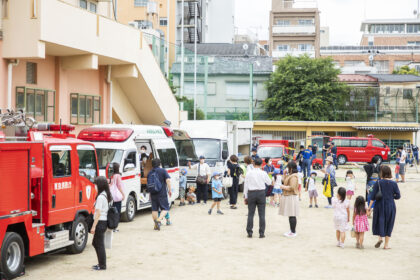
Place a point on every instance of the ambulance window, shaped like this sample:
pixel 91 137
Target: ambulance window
pixel 87 164
pixel 61 163
pixel 131 158
pixel 168 158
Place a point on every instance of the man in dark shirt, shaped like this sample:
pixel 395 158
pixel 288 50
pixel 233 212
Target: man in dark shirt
pixel 160 200
pixel 334 154
pixel 254 154
pixel 325 152
pixel 299 157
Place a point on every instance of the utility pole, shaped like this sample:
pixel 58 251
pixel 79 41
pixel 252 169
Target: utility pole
pixel 182 54
pixel 168 18
pixel 195 59
pixel 251 91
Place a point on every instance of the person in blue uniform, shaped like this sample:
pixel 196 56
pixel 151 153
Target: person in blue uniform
pixel 384 211
pixel 334 154
pixel 254 154
pixel 306 162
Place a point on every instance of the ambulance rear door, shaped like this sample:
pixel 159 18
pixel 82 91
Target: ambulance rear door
pixel 165 149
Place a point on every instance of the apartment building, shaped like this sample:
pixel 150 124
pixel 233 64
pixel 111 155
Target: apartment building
pixel 70 61
pixel 294 28
pixel 385 46
pixel 215 21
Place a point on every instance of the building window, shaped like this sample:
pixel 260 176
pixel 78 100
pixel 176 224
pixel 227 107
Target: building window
pixel 83 4
pixel 407 93
pixel 239 90
pixel 283 22
pixel 352 63
pixel 417 68
pixel 92 7
pixel 382 66
pixel 399 63
pixel 163 22
pixel 413 28
pixel 306 22
pixel 413 43
pixel 85 109
pixel 283 48
pixel 37 103
pixel 386 28
pixel 144 24
pixel 31 73
pixel 140 3
pixel 305 47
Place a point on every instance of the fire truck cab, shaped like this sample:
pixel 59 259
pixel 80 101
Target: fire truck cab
pixel 46 192
pixel 123 144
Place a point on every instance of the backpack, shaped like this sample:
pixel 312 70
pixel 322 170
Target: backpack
pixel 154 185
pixel 113 216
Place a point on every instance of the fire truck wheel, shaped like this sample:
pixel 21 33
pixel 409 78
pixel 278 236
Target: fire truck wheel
pixel 79 233
pixel 12 255
pixel 342 159
pixel 130 209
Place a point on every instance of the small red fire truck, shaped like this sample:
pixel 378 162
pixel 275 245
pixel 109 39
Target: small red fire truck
pixel 46 191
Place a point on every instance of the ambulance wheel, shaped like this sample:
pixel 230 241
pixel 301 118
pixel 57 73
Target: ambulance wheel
pixel 12 255
pixel 79 233
pixel 342 159
pixel 130 210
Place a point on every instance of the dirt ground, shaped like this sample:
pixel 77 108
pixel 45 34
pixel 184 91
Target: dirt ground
pixel 199 246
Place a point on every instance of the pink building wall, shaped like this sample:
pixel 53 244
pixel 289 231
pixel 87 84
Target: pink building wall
pixel 3 79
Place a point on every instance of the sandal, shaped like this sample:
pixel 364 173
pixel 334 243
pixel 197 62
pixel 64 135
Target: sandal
pixel 387 248
pixel 157 224
pixel 378 244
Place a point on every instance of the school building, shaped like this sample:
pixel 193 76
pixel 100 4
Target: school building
pixel 393 134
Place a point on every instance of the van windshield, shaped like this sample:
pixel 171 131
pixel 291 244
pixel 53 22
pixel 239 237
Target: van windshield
pixel 209 148
pixel 271 152
pixel 186 151
pixel 106 156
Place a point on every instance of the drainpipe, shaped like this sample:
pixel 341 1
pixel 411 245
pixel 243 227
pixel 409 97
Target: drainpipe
pixel 9 81
pixel 109 81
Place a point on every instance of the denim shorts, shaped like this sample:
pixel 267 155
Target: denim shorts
pixel 160 203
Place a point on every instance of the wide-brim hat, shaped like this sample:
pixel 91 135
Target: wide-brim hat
pixel 330 159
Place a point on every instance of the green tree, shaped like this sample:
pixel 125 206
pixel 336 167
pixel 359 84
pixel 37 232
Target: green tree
pixel 405 70
pixel 302 88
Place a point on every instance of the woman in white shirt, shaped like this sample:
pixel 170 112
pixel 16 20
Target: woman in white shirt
pixel 203 178
pixel 100 223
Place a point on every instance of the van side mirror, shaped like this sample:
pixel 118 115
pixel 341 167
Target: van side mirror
pixel 225 155
pixel 128 167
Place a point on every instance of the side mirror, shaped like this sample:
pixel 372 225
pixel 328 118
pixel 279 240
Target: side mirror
pixel 225 155
pixel 128 167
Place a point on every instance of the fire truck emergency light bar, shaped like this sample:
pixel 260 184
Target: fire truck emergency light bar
pixel 105 134
pixel 54 127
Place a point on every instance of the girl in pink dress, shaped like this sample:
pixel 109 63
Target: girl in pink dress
pixel 360 221
pixel 341 216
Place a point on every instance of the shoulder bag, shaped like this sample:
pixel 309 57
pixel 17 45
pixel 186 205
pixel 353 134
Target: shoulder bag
pixel 378 195
pixel 201 180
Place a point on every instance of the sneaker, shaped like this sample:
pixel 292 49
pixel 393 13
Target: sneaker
pixel 310 206
pixel 98 267
pixel 168 222
pixel 328 206
pixel 291 234
pixel 287 233
pixel 209 212
pixel 316 205
pixel 341 245
pixel 116 230
pixel 338 244
pixel 220 212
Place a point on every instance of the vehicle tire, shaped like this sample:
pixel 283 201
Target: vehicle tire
pixel 130 210
pixel 79 233
pixel 317 166
pixel 12 255
pixel 342 159
pixel 380 160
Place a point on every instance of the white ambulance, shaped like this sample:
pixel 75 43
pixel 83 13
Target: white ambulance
pixel 123 144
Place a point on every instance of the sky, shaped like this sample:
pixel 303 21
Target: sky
pixel 342 16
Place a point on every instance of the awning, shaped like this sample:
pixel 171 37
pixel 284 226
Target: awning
pixel 388 128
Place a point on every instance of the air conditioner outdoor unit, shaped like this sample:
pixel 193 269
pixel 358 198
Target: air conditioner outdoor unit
pixel 152 7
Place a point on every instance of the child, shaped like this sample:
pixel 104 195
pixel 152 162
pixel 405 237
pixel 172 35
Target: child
pixel 216 192
pixel 311 188
pixel 351 186
pixel 341 216
pixel 397 172
pixel 360 221
pixel 191 197
pixel 300 179
pixel 277 184
pixel 182 186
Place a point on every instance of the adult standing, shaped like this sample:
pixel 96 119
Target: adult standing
pixel 334 154
pixel 289 203
pixel 100 224
pixel 254 195
pixel 402 164
pixel 203 178
pixel 330 171
pixel 299 157
pixel 415 150
pixel 254 154
pixel 117 188
pixel 160 200
pixel 307 161
pixel 235 172
pixel 384 211
pixel 325 151
pixel 314 151
pixel 248 163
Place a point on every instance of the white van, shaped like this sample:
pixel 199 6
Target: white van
pixel 122 144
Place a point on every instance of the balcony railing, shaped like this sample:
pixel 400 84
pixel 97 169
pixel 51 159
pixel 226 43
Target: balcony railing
pixel 365 49
pixel 293 52
pixel 294 29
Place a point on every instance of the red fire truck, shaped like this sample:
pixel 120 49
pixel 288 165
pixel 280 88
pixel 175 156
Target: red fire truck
pixel 46 193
